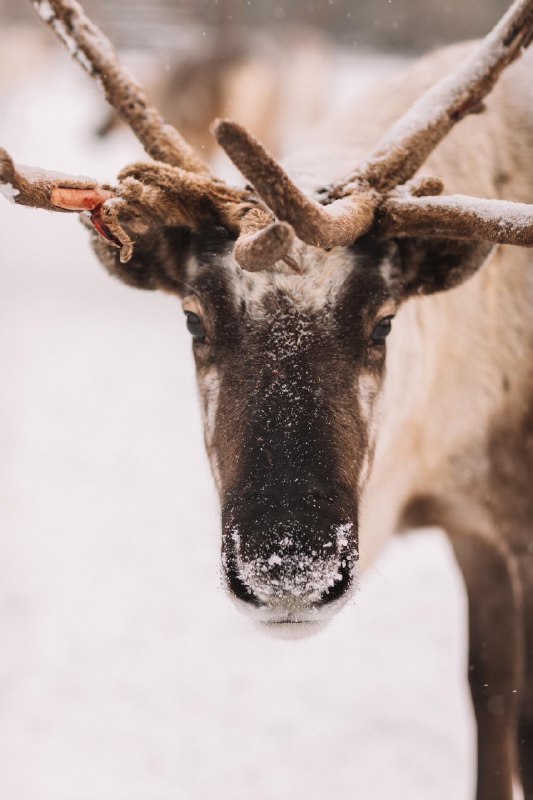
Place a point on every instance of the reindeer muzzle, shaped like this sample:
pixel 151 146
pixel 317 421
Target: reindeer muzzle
pixel 289 559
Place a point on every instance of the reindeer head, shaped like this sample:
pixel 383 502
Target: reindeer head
pixel 289 301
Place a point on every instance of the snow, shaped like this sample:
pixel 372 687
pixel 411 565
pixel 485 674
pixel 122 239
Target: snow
pixel 48 15
pixel 44 9
pixel 343 531
pixel 34 174
pixel 514 215
pixel 70 43
pixel 302 575
pixel 126 673
pixel 9 191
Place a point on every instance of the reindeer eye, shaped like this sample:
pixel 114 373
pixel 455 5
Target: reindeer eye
pixel 195 326
pixel 382 330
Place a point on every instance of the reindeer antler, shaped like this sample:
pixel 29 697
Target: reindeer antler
pixel 413 138
pixel 341 223
pixel 361 201
pixel 177 188
pixel 457 217
pixel 29 186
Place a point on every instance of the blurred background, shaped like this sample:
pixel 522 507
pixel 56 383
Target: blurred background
pixel 395 24
pixel 275 67
pixel 125 673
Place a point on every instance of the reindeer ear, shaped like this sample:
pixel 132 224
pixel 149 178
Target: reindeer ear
pixel 431 265
pixel 158 259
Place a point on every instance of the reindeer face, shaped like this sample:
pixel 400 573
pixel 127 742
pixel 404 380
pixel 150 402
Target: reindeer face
pixel 289 369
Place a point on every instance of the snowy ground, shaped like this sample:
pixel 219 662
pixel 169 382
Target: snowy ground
pixel 125 673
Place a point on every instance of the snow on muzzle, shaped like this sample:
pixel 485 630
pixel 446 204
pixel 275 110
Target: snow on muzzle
pixel 291 569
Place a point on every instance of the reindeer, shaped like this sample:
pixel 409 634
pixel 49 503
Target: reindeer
pixel 363 342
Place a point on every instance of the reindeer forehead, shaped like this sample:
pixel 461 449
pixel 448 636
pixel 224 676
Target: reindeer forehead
pixel 315 291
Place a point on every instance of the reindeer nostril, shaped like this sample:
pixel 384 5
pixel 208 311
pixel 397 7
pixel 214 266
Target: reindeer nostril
pixel 340 587
pixel 236 585
pixel 240 590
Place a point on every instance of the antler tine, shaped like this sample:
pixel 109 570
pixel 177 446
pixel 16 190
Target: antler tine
pixel 340 223
pixel 54 191
pixel 94 52
pixel 174 195
pixel 458 217
pixel 410 141
pixel 262 241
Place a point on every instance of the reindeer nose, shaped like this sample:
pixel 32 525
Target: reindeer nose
pixel 290 566
pixel 340 583
pixel 290 586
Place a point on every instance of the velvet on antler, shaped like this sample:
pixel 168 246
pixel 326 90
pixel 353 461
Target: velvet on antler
pixel 457 217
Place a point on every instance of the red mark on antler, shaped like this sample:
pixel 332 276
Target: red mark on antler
pixel 86 200
pixel 102 228
pixel 79 199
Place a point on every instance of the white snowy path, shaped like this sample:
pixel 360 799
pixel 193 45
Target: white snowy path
pixel 125 672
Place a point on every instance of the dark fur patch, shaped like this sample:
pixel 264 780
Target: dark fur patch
pixel 436 265
pixel 159 259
